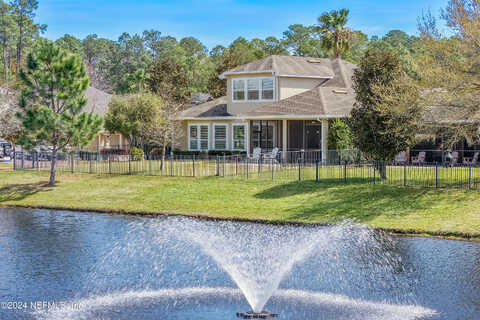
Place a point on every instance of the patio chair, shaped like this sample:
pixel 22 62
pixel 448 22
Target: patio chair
pixel 272 155
pixel 257 152
pixel 420 158
pixel 401 158
pixel 454 159
pixel 471 161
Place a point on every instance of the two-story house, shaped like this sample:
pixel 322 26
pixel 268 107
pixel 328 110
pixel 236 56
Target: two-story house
pixel 279 101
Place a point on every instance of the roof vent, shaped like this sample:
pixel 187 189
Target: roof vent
pixel 314 60
pixel 340 91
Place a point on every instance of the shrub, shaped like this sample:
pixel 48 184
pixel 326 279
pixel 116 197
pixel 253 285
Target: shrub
pixel 136 154
pixel 156 152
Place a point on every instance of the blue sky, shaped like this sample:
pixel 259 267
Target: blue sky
pixel 221 21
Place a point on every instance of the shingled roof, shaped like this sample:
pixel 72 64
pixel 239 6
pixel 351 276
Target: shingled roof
pixel 213 108
pixel 334 97
pixel 291 66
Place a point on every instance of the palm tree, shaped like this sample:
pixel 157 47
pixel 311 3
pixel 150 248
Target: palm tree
pixel 335 36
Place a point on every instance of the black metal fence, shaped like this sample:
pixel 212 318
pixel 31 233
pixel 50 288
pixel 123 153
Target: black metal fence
pixel 431 175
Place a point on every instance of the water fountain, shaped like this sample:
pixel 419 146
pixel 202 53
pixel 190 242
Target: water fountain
pixel 256 257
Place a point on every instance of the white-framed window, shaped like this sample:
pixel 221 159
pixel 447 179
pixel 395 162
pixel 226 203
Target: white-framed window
pixel 238 89
pixel 198 137
pixel 239 136
pixel 220 136
pixel 253 89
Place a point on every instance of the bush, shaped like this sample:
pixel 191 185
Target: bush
pixel 136 154
pixel 156 152
pixel 178 152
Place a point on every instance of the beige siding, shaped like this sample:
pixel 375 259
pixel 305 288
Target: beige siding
pixel 293 86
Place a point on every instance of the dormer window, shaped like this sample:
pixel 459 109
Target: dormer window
pixel 253 89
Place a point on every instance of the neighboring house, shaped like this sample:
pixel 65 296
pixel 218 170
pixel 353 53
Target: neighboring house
pixel 98 103
pixel 279 101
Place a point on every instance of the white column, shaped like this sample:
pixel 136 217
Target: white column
pixel 247 135
pixel 324 140
pixel 284 139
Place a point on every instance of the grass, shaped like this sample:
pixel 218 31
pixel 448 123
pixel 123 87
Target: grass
pixel 6 165
pixel 449 212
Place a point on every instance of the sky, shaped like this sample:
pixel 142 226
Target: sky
pixel 216 22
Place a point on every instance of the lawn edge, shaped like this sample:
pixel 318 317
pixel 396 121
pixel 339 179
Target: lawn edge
pixel 397 232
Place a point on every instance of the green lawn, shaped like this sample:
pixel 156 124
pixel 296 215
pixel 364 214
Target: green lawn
pixel 4 165
pixel 431 211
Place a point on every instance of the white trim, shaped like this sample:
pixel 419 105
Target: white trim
pixel 275 73
pixel 199 140
pixel 273 117
pixel 226 135
pixel 302 76
pixel 260 89
pixel 245 126
pixel 223 75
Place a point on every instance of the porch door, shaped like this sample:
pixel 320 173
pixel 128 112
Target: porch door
pixel 313 135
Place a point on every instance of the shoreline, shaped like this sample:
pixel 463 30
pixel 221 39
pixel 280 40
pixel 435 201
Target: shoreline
pixel 457 236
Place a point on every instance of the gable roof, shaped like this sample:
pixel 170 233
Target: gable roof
pixel 287 66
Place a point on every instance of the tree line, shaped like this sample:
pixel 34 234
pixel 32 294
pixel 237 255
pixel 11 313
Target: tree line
pixel 123 66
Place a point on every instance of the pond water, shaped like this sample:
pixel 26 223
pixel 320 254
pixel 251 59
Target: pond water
pixel 69 265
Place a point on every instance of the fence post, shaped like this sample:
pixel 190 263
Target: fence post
pixel 218 166
pixel 73 162
pixel 109 164
pixel 246 161
pixel 23 160
pixel 129 164
pixel 404 174
pixel 90 163
pixel 193 164
pixel 149 159
pixel 236 166
pixel 316 171
pixel 259 161
pixel 436 175
pixel 33 159
pixel 224 164
pixel 299 169
pixel 470 177
pixel 14 160
pixel 345 171
pixel 374 177
pixel 272 169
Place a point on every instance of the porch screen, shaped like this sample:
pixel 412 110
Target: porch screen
pixel 198 137
pixel 239 137
pixel 220 135
pixel 263 134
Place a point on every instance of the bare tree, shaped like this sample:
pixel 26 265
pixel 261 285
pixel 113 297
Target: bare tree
pixel 10 125
pixel 166 128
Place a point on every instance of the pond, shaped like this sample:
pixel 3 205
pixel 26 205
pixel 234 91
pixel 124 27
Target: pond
pixel 70 265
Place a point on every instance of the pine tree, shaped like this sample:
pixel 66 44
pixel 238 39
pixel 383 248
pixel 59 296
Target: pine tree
pixel 53 98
